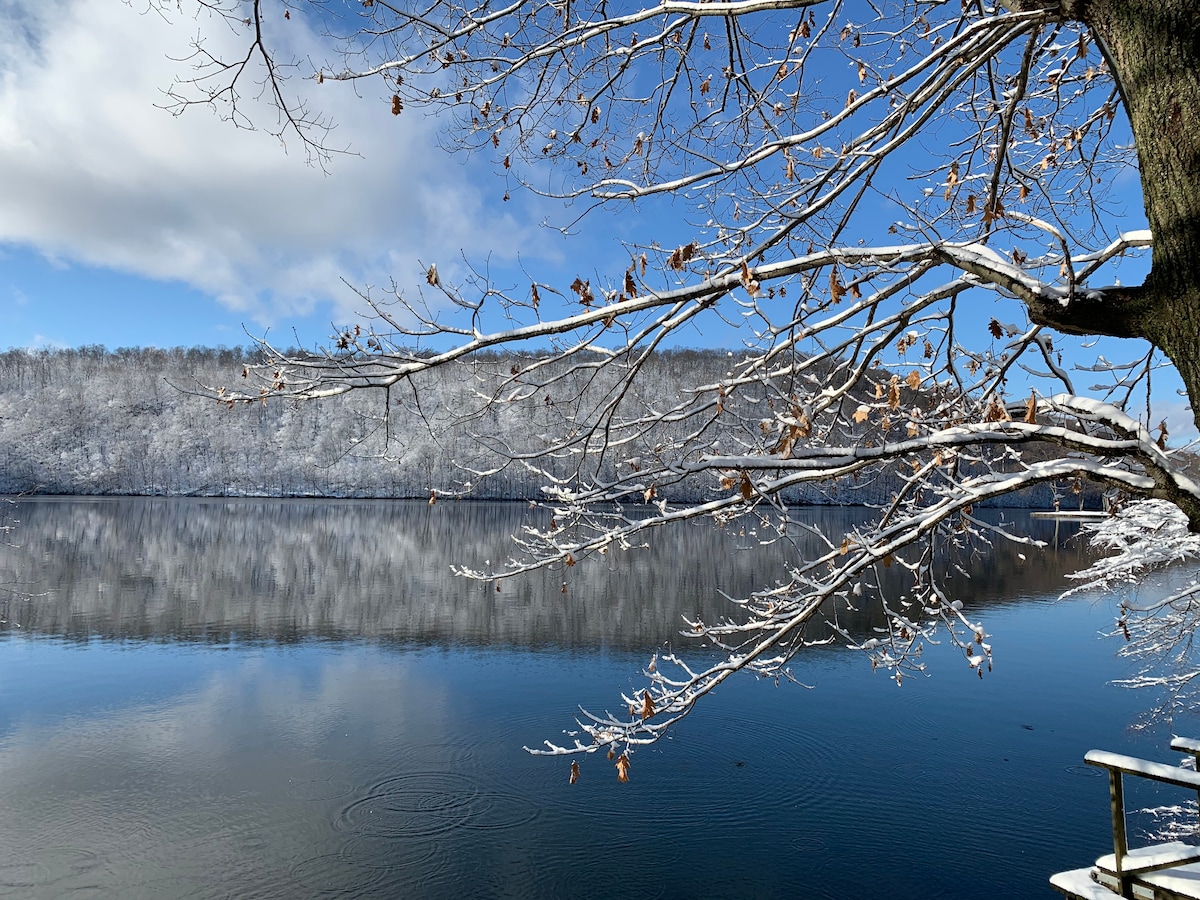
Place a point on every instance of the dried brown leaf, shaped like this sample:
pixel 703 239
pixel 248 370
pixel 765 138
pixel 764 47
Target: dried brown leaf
pixel 803 427
pixel 622 767
pixel 647 705
pixel 995 411
pixel 836 289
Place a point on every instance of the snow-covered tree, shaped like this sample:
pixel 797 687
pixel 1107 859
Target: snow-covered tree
pixel 902 213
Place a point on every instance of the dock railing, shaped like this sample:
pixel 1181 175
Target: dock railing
pixel 1124 868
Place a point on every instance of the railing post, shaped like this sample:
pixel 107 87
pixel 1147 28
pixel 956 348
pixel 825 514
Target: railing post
pixel 1190 747
pixel 1116 793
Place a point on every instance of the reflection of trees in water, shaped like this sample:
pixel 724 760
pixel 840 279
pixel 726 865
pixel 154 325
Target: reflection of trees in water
pixel 288 570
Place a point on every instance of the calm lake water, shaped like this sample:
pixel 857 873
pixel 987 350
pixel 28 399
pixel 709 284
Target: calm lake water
pixel 297 699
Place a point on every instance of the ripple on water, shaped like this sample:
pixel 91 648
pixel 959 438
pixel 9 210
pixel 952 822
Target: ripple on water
pixel 425 804
pixel 16 877
pixel 809 843
pixel 404 867
pixel 372 851
pixel 169 884
pixel 1085 771
pixel 206 832
pixel 331 874
pixel 414 805
pixel 500 810
pixel 64 869
pixel 318 782
pixel 443 755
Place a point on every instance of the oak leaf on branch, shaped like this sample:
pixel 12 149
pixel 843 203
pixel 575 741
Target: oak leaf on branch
pixel 647 705
pixel 746 487
pixel 622 766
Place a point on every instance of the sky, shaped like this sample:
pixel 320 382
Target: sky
pixel 122 224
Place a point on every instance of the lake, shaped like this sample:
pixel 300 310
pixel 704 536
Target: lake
pixel 247 698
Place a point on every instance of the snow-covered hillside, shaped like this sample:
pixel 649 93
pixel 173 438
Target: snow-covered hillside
pixel 91 421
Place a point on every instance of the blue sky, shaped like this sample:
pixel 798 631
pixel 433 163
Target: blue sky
pixel 124 225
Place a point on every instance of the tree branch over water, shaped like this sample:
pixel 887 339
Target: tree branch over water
pixel 901 213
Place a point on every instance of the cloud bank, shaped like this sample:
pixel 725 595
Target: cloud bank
pixel 95 173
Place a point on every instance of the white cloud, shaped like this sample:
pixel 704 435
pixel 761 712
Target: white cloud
pixel 41 342
pixel 1181 424
pixel 96 174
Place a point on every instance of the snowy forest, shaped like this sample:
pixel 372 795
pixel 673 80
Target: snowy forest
pixel 133 422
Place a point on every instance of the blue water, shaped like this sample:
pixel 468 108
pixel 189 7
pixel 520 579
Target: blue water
pixel 389 764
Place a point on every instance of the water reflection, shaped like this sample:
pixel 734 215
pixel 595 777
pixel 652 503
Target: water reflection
pixel 358 771
pixel 200 734
pixel 282 571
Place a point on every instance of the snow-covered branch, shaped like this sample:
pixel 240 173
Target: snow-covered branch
pixel 895 217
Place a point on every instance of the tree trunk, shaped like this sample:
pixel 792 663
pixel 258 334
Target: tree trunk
pixel 1154 49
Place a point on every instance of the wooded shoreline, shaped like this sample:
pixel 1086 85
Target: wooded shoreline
pixel 132 422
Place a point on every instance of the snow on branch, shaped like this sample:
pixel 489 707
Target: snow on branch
pixel 1137 539
pixel 895 219
pixel 1152 566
